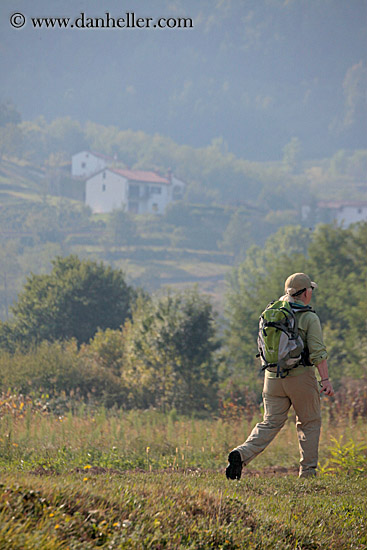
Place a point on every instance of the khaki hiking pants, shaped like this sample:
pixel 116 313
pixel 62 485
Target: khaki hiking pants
pixel 278 395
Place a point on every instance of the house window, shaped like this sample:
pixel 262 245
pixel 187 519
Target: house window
pixel 359 210
pixel 103 187
pixel 156 190
pixel 104 175
pixel 133 192
pixel 83 165
pixel 155 207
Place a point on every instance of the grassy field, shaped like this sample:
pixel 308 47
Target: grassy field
pixel 92 509
pixel 147 480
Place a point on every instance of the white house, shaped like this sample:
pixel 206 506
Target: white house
pixel 138 191
pixel 85 163
pixel 341 212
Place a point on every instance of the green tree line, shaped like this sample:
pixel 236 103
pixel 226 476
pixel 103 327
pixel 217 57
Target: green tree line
pixel 82 329
pixel 213 174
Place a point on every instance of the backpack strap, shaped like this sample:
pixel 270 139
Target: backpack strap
pixel 305 357
pixel 305 354
pixel 300 308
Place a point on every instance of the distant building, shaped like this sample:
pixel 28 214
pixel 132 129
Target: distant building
pixel 340 212
pixel 108 188
pixel 138 191
pixel 85 163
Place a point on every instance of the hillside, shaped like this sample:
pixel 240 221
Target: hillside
pixel 229 204
pixel 19 182
pixel 36 226
pixel 254 74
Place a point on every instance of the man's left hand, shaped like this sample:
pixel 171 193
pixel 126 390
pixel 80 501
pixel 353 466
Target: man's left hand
pixel 327 388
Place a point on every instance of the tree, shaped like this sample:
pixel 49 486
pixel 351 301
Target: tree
pixel 75 300
pixel 254 283
pixel 11 137
pixel 169 353
pixel 8 273
pixel 36 140
pixel 337 261
pixel 335 258
pixel 106 350
pixel 199 226
pixel 66 135
pixel 237 235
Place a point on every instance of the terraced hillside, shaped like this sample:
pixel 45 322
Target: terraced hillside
pixel 39 221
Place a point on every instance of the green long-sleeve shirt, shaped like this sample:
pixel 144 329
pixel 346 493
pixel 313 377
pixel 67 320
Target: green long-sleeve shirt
pixel 309 328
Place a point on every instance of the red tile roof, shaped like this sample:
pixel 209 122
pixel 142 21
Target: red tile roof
pixel 141 175
pixel 341 204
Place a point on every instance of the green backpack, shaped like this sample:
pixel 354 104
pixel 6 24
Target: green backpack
pixel 279 343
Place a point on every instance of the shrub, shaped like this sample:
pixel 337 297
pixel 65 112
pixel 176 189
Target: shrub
pixel 57 368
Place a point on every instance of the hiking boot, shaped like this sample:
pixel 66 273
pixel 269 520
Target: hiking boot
pixel 307 474
pixel 234 468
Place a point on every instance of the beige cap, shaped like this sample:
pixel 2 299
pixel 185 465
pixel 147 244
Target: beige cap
pixel 298 282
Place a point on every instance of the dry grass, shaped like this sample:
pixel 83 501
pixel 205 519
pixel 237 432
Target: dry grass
pixel 140 480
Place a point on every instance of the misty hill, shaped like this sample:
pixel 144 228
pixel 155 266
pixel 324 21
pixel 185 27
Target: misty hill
pixel 254 73
pixel 19 183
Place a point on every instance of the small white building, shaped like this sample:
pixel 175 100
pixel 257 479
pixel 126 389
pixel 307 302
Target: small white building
pixel 341 212
pixel 138 191
pixel 85 163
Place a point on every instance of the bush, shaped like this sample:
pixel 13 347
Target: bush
pixel 56 368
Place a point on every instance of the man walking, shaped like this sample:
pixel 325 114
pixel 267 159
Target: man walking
pixel 299 388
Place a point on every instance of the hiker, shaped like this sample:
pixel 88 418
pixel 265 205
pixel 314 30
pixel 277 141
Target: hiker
pixel 296 386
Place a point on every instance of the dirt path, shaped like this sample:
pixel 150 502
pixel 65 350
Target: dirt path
pixel 268 471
